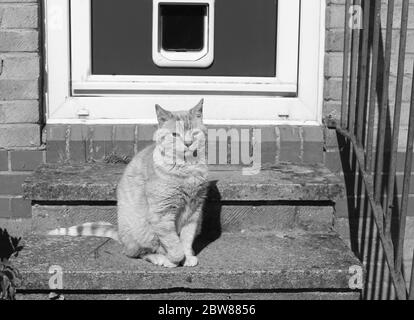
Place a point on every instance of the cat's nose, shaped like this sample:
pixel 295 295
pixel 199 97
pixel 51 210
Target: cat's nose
pixel 188 143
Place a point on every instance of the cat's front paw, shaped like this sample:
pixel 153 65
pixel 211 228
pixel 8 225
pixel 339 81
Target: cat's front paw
pixel 190 261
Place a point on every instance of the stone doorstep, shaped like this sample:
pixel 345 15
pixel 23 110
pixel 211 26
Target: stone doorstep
pixel 243 261
pixel 98 182
pixel 217 217
pixel 279 235
pixel 189 295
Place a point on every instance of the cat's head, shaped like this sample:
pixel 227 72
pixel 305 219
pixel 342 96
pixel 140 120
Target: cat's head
pixel 181 136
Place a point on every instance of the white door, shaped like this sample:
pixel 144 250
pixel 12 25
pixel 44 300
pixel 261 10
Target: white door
pixel 101 67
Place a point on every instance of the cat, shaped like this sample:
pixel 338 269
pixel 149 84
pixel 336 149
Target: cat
pixel 161 194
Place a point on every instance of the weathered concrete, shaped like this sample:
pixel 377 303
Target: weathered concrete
pixel 244 261
pixel 97 182
pixel 362 235
pixel 217 217
pixel 191 295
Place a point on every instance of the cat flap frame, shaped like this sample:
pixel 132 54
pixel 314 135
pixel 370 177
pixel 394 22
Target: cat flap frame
pixel 75 95
pixel 199 58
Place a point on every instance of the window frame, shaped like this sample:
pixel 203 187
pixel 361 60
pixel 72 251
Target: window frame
pixel 74 95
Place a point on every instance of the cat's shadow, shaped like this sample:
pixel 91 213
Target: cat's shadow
pixel 211 224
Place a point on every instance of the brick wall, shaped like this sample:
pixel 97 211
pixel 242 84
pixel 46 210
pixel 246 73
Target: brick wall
pixel 20 104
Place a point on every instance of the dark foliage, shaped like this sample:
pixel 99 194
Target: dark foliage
pixel 9 275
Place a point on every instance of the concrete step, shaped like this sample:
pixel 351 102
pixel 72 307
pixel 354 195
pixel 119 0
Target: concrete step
pixel 218 217
pixel 98 182
pixel 249 264
pixel 188 295
pixel 276 198
pixel 266 236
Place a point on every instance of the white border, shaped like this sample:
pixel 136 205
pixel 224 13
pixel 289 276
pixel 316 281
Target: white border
pixel 230 107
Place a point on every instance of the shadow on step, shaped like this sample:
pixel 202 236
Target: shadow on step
pixel 211 225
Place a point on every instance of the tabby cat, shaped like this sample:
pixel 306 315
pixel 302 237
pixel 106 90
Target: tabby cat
pixel 161 194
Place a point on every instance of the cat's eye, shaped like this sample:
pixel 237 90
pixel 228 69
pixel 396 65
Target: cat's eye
pixel 175 134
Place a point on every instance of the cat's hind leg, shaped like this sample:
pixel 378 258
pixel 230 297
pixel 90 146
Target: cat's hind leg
pixel 159 258
pixel 155 254
pixel 165 230
pixel 146 245
pixel 137 245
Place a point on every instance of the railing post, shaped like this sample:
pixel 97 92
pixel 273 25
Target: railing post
pixel 345 74
pixel 373 86
pixel 395 138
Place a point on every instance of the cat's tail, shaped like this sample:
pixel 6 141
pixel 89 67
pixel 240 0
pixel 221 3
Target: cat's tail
pixel 89 229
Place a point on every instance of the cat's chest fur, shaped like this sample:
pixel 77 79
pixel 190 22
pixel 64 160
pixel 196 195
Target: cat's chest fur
pixel 179 193
pixel 192 190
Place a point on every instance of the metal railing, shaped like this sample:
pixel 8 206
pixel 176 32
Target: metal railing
pixel 370 134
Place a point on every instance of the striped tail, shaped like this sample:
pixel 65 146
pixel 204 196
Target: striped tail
pixel 89 229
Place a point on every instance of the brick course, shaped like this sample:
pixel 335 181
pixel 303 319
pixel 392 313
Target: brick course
pixel 12 175
pixel 19 135
pixel 14 208
pixel 69 143
pixel 21 111
pixel 19 16
pixel 20 66
pixel 11 183
pixel 4 160
pixel 26 160
pixel 19 40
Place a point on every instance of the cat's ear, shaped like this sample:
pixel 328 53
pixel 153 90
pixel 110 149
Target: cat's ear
pixel 197 111
pixel 162 114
